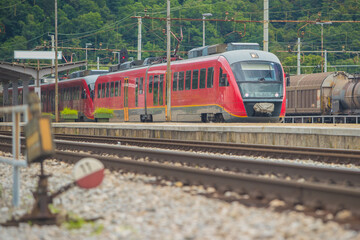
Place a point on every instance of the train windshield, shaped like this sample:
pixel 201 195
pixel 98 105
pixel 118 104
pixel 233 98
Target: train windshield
pixel 258 79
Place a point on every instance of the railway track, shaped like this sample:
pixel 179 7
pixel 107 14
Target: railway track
pixel 339 156
pixel 316 187
pixel 317 154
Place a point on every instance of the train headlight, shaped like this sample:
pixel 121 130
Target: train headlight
pixel 276 95
pixel 246 95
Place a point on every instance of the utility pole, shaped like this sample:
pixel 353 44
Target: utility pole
pixel 266 25
pixel 168 71
pixel 139 38
pixel 298 58
pixel 52 49
pixel 322 43
pixel 56 68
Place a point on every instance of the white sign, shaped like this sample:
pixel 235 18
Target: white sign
pixel 36 55
pixel 88 172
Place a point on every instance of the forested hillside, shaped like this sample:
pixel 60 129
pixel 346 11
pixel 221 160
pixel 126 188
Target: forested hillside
pixel 109 26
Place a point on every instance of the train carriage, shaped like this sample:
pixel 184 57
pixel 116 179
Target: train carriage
pixel 234 86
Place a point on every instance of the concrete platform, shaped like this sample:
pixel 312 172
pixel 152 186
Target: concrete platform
pixel 346 136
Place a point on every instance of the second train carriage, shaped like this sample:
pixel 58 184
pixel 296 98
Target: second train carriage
pixel 234 86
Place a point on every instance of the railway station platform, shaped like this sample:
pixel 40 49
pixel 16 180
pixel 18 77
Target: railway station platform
pixel 344 136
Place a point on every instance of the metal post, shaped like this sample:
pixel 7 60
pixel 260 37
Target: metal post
pixel 203 31
pixel 266 25
pixel 168 70
pixel 56 69
pixel 86 56
pixel 322 47
pixel 204 17
pixel 139 38
pixel 52 49
pixel 325 68
pixel 98 64
pixel 322 43
pixel 298 58
pixel 16 154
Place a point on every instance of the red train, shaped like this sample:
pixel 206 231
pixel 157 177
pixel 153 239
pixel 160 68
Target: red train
pixel 234 86
pixel 75 93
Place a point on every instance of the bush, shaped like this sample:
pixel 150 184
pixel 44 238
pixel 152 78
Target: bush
pixel 68 111
pixel 104 110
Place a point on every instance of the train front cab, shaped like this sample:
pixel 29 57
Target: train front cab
pixel 259 88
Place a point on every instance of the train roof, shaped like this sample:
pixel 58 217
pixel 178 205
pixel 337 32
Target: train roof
pixel 231 56
pixel 314 79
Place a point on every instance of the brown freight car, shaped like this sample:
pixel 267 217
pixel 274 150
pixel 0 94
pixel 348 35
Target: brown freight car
pixel 331 93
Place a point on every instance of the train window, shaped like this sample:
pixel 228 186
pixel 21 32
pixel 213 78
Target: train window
pixel 141 87
pixel 103 90
pixel 83 94
pixel 202 78
pixel 188 80
pixel 223 81
pixel 136 91
pixel 116 88
pixel 119 88
pixel 161 87
pixel 150 84
pixel 175 81
pixel 112 89
pixel 99 90
pixel 181 81
pixel 107 89
pixel 156 89
pixel 195 79
pixel 210 77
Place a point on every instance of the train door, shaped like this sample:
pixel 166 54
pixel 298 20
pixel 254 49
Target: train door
pixel 126 99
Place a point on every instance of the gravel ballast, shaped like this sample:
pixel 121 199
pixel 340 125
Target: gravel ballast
pixel 130 206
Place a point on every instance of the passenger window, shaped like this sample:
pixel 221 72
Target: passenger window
pixel 156 89
pixel 99 90
pixel 175 81
pixel 107 89
pixel 112 89
pixel 202 77
pixel 188 80
pixel 119 88
pixel 161 87
pixel 181 81
pixel 103 90
pixel 150 84
pixel 116 88
pixel 223 81
pixel 141 91
pixel 195 79
pixel 210 77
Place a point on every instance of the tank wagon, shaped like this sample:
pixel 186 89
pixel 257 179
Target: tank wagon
pixel 323 97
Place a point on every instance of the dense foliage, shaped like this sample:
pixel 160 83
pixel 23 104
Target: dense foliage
pixel 109 26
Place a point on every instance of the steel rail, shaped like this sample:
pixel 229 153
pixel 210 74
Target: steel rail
pixel 346 156
pixel 314 195
pixel 279 169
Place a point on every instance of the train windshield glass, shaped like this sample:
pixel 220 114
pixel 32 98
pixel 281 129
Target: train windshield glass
pixel 258 79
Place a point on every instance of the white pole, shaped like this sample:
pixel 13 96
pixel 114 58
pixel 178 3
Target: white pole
pixel 325 69
pixel 298 58
pixel 203 31
pixel 56 68
pixel 139 39
pixel 52 49
pixel 266 25
pixel 98 64
pixel 168 71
